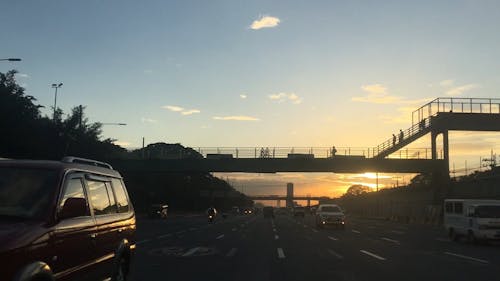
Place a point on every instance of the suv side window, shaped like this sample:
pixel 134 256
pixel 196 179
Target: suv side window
pixel 121 196
pixel 74 189
pixel 101 197
pixel 448 207
pixel 459 208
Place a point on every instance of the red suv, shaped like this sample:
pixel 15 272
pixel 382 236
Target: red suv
pixel 64 220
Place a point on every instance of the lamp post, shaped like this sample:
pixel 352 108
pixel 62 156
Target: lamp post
pixel 11 59
pixel 56 86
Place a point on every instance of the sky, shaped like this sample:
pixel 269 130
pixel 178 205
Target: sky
pixel 258 73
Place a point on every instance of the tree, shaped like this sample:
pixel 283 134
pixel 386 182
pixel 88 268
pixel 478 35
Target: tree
pixel 357 189
pixel 18 117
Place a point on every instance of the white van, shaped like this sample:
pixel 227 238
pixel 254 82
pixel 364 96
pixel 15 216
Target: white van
pixel 472 218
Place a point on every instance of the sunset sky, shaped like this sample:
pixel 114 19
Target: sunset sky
pixel 259 73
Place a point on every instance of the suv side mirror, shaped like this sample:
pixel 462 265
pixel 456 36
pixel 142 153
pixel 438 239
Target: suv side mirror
pixel 74 207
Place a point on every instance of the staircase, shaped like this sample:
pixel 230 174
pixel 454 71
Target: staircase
pixel 401 140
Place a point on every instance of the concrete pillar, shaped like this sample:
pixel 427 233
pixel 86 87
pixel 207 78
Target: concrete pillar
pixel 446 150
pixel 434 135
pixel 308 202
pixel 278 203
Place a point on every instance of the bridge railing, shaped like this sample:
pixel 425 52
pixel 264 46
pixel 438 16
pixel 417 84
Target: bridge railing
pixel 457 105
pixel 304 152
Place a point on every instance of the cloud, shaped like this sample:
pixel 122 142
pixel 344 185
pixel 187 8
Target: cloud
pixel 243 96
pixel 148 120
pixel 377 93
pixel 458 91
pixel 281 97
pixel 147 71
pixel 447 83
pixel 22 75
pixel 182 110
pixel 236 118
pixel 122 143
pixel 265 22
pixel 173 108
pixel 191 111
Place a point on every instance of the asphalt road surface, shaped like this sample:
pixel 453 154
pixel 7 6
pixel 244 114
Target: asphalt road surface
pixel 254 248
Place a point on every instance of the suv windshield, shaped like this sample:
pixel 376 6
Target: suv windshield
pixel 330 209
pixel 488 211
pixel 26 192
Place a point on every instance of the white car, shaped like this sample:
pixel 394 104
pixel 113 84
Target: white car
pixel 330 214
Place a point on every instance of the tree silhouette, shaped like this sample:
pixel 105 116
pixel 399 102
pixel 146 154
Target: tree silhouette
pixel 357 189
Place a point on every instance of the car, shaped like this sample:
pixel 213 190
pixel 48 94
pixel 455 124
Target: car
pixel 330 214
pixel 268 212
pixel 158 211
pixel 299 212
pixel 64 220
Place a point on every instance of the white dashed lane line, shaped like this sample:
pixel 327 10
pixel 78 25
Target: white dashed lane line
pixel 397 232
pixel 442 240
pixel 356 231
pixel 164 236
pixel 281 254
pixel 191 252
pixel 220 237
pixel 390 240
pixel 372 255
pixel 466 257
pixel 314 230
pixel 231 252
pixel 143 241
pixel 332 238
pixel 335 254
pixel 276 237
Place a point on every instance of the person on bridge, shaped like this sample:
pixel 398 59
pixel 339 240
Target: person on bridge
pixel 333 151
pixel 393 139
pixel 401 135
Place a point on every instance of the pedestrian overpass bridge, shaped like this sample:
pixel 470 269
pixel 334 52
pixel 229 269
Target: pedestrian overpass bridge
pixel 437 117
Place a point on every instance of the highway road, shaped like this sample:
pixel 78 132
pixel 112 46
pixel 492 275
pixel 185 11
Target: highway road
pixel 254 248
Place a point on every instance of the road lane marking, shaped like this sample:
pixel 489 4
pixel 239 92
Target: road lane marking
pixel 332 238
pixel 372 255
pixel 191 252
pixel 276 237
pixel 467 257
pixel 305 225
pixel 390 240
pixel 234 229
pixel 231 252
pixel 220 237
pixel 180 232
pixel 164 236
pixel 274 229
pixel 193 229
pixel 335 254
pixel 143 241
pixel 281 254
pixel 397 232
pixel 314 230
pixel 242 225
pixel 356 231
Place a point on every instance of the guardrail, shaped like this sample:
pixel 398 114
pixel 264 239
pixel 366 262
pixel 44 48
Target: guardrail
pixel 457 105
pixel 316 152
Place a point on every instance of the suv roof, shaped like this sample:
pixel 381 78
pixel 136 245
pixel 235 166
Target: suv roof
pixel 67 163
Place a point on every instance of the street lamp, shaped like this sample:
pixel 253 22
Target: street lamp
pixel 56 86
pixel 11 59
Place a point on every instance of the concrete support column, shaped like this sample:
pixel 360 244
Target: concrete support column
pixel 434 135
pixel 446 149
